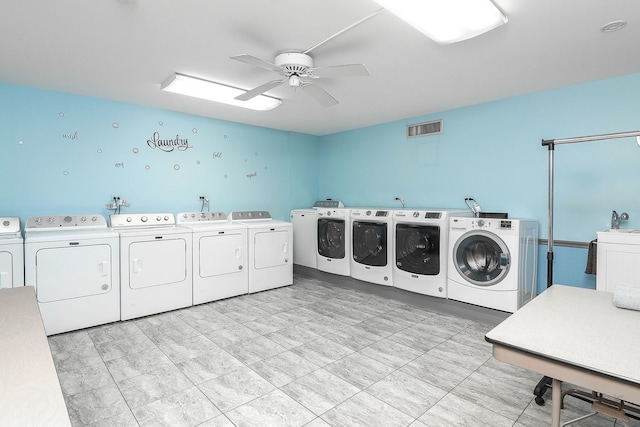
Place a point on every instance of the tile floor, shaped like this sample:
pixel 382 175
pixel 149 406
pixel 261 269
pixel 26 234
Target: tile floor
pixel 322 352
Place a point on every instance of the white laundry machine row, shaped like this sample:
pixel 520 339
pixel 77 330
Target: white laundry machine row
pixel 11 253
pixel 72 260
pixel 334 239
pixel 493 262
pixel 219 256
pixel 421 239
pixel 155 263
pixel 269 248
pixel 372 245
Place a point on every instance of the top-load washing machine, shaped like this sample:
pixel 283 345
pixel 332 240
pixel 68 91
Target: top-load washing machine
pixel 11 253
pixel 72 260
pixel 372 246
pixel 334 238
pixel 421 249
pixel 219 256
pixel 155 263
pixel 493 262
pixel 269 244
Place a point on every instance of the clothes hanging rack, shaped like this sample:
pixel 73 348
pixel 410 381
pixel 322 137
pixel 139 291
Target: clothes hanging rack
pixel 545 382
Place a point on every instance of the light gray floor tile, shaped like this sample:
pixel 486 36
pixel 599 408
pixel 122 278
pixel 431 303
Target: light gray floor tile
pixel 453 411
pixel 95 405
pixel 463 355
pixel 380 326
pixel 237 388
pixel 125 419
pixel 254 350
pixel 158 321
pixel 70 340
pixel 392 353
pixel 183 409
pixel 436 371
pixel 134 364
pixel 247 314
pixel 418 340
pixel 187 349
pixel 322 351
pixel 153 385
pixel 219 421
pixel 266 325
pixel 113 332
pixel 443 325
pixel 75 357
pixel 84 379
pixel 210 365
pixel 283 368
pixel 366 410
pixel 353 337
pixel 177 332
pixel 233 334
pixel 292 336
pixel 320 391
pixel 406 393
pixel 359 370
pixel 273 409
pixel 121 347
pixel 489 392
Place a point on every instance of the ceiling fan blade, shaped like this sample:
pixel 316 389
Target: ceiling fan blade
pixel 259 90
pixel 319 94
pixel 348 70
pixel 256 62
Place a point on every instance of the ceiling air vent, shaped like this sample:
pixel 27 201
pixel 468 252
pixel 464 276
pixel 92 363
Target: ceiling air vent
pixel 423 129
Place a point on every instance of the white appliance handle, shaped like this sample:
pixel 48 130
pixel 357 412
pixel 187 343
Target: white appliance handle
pixel 105 268
pixel 136 265
pixel 239 253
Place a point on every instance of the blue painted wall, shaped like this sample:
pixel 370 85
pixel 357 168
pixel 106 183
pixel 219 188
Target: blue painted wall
pixel 63 153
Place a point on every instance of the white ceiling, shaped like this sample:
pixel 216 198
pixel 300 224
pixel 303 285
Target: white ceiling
pixel 123 49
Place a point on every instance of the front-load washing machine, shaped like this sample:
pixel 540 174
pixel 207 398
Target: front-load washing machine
pixel 219 256
pixel 493 262
pixel 155 263
pixel 372 246
pixel 304 237
pixel 11 253
pixel 421 249
pixel 334 240
pixel 72 260
pixel 269 244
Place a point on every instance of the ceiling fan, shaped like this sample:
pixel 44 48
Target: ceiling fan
pixel 296 69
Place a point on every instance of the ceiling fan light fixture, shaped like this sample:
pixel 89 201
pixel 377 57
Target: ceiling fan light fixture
pixel 447 21
pixel 295 81
pixel 217 92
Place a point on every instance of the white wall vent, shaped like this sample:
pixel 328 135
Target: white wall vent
pixel 423 129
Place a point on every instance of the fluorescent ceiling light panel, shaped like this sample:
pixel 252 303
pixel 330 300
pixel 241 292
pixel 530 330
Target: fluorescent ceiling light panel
pixel 217 92
pixel 447 21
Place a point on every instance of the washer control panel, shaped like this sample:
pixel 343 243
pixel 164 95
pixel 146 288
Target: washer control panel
pixel 142 220
pixel 65 222
pixel 9 225
pixel 249 216
pixel 191 217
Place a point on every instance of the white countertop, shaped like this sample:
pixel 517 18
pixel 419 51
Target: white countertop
pixel 30 393
pixel 579 327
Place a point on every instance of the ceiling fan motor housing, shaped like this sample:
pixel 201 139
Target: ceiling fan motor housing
pixel 294 63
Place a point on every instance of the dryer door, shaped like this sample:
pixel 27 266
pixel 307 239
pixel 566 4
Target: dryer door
pixel 481 258
pixel 418 249
pixel 271 248
pixel 157 262
pixel 331 236
pixel 73 272
pixel 221 254
pixel 6 269
pixel 370 243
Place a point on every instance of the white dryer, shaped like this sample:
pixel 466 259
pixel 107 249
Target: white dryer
pixel 372 245
pixel 269 244
pixel 493 262
pixel 219 256
pixel 155 263
pixel 304 222
pixel 421 239
pixel 334 239
pixel 11 253
pixel 72 260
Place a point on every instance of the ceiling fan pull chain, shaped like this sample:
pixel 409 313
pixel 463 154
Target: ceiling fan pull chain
pixel 344 30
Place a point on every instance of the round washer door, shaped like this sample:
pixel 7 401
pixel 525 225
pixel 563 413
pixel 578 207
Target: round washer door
pixel 481 258
pixel 331 238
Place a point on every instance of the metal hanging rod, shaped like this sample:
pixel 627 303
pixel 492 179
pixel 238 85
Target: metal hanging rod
pixel 546 142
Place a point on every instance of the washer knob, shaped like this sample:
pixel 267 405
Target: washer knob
pixel 128 219
pixel 166 218
pixel 481 223
pixel 144 219
pixel 158 218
